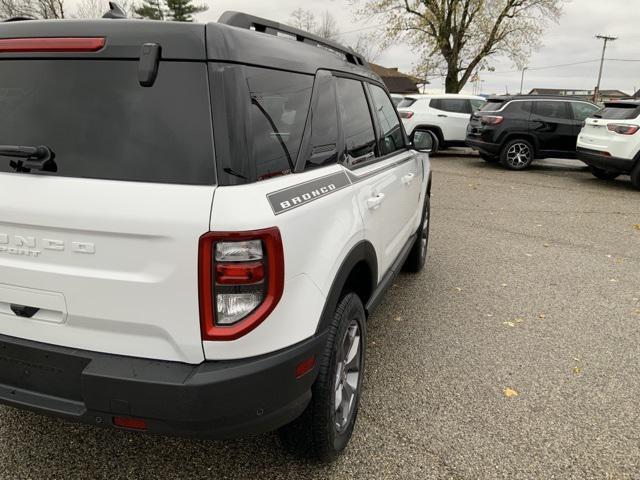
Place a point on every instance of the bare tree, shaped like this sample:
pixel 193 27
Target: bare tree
pixel 459 36
pixel 91 8
pixel 368 45
pixel 303 19
pixel 328 27
pixel 32 8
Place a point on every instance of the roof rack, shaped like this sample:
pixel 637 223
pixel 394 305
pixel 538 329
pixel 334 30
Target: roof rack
pixel 250 22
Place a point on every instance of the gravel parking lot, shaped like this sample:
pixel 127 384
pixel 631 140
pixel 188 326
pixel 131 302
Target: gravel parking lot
pixel 514 355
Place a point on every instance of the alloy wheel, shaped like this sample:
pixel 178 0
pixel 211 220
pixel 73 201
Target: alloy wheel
pixel 347 378
pixel 519 155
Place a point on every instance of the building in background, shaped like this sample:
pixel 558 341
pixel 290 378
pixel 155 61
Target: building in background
pixel 398 82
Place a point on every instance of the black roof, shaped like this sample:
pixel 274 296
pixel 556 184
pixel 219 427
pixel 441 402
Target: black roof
pixel 193 41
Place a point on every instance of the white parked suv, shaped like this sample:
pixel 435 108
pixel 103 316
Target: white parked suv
pixel 197 260
pixel 610 143
pixel 444 117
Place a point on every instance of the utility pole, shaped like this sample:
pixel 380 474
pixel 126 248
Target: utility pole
pixel 522 80
pixel 606 39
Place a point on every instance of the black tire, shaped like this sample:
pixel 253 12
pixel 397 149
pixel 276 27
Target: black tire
pixel 316 434
pixel 489 158
pixel 635 176
pixel 418 254
pixel 604 174
pixel 517 154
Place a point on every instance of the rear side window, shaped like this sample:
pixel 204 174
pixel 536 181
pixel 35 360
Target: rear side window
pixel 357 126
pixel 582 111
pixel 102 124
pixel 519 108
pixel 453 105
pixel 492 106
pixel 621 111
pixel 279 104
pixel 552 109
pixel 407 102
pixel 477 104
pixel 392 138
pixel 324 124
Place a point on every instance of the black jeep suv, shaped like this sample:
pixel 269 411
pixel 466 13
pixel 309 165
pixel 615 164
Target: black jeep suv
pixel 515 130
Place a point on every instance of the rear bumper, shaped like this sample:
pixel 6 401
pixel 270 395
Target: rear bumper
pixel 485 147
pixel 214 399
pixel 605 162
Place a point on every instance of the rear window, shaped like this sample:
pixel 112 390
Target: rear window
pixel 622 111
pixel 492 106
pixel 407 102
pixel 100 123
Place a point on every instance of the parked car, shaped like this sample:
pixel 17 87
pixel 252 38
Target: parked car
pixel 131 295
pixel 444 117
pixel 515 130
pixel 609 142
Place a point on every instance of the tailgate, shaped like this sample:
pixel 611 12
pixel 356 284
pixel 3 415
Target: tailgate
pixel 102 254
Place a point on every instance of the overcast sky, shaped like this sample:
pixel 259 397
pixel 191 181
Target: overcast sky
pixel 571 40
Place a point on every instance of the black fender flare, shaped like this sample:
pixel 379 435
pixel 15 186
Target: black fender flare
pixel 361 252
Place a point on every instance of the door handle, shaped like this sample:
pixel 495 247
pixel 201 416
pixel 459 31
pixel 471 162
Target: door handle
pixel 374 202
pixel 443 116
pixel 408 178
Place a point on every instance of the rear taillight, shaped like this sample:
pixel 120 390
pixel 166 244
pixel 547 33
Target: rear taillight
pixel 623 129
pixel 241 279
pixel 405 114
pixel 491 119
pixel 51 44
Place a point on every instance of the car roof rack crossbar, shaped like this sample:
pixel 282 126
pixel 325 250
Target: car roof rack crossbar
pixel 250 22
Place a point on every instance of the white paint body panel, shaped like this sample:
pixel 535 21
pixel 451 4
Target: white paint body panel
pixel 596 136
pixel 132 291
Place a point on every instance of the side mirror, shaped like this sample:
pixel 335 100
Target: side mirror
pixel 422 141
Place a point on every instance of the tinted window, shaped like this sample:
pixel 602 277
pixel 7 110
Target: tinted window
pixel 492 106
pixel 619 112
pixel 357 126
pixel 519 108
pixel 101 123
pixel 392 135
pixel 582 111
pixel 453 105
pixel 279 104
pixel 324 124
pixel 407 102
pixel 552 109
pixel 477 104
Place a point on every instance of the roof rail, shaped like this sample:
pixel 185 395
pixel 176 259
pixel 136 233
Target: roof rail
pixel 250 22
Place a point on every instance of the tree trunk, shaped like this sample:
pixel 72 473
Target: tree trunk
pixel 451 83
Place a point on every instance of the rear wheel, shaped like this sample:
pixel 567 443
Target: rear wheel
pixel 325 428
pixel 517 154
pixel 418 254
pixel 603 174
pixel 635 175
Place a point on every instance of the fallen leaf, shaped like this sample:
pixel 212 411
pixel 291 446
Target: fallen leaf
pixel 613 280
pixel 519 320
pixel 510 324
pixel 510 392
pixel 528 254
pixel 504 285
pixel 577 370
pixel 546 245
pixel 542 316
pixel 637 226
pixel 398 319
pixel 489 315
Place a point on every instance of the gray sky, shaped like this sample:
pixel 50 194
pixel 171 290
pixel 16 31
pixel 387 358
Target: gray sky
pixel 570 40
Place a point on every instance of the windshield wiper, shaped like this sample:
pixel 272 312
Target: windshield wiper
pixel 274 127
pixel 31 158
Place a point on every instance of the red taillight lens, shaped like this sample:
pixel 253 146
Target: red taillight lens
pixel 51 45
pixel 405 114
pixel 491 119
pixel 623 129
pixel 241 279
pixel 133 423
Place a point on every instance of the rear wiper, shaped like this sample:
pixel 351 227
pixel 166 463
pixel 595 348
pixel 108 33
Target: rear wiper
pixel 31 158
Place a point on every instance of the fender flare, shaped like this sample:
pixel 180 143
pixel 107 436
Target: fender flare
pixel 361 252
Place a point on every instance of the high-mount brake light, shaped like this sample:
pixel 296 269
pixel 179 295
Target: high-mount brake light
pixel 51 44
pixel 241 279
pixel 491 119
pixel 623 129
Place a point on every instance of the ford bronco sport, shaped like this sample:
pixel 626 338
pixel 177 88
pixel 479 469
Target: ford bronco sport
pixel 196 221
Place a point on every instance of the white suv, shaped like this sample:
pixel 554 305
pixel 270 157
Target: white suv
pixel 444 117
pixel 197 260
pixel 610 143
